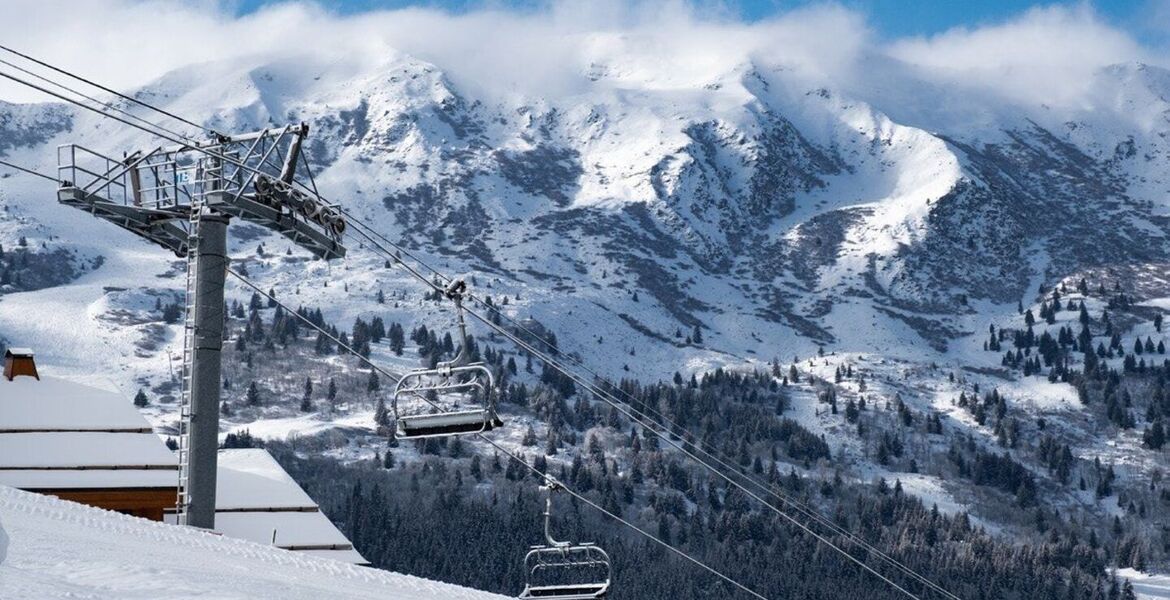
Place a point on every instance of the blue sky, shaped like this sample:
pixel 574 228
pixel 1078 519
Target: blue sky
pixel 889 18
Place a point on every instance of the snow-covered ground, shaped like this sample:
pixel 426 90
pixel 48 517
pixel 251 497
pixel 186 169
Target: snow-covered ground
pixel 52 549
pixel 1147 586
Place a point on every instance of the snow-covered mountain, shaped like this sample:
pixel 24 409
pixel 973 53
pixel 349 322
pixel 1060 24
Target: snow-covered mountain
pixel 773 216
pixel 769 213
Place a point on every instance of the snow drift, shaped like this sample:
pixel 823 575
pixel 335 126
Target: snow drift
pixel 59 549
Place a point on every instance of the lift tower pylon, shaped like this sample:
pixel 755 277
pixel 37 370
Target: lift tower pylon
pixel 183 198
pixel 204 368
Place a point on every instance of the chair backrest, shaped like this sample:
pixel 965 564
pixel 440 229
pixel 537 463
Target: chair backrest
pixel 449 386
pixel 581 571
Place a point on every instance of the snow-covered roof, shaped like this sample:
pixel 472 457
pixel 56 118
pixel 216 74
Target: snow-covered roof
pixel 56 435
pixel 53 404
pixel 84 450
pixel 77 479
pixel 295 531
pixel 51 548
pixel 255 498
pixel 18 352
pixel 249 478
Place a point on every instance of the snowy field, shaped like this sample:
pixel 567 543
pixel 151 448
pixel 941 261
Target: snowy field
pixel 1148 587
pixel 52 549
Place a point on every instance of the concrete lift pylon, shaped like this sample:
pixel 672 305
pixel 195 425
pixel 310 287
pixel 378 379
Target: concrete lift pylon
pixel 183 198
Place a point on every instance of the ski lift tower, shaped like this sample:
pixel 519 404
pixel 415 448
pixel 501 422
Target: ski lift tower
pixel 182 198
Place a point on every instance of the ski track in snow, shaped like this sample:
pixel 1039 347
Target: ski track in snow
pixel 58 549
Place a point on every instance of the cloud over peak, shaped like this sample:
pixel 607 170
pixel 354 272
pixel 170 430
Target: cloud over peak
pixel 1044 55
pixel 1047 54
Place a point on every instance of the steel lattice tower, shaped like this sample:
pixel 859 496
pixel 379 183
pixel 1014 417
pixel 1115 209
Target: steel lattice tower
pixel 183 198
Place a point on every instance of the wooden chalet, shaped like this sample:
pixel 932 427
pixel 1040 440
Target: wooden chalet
pixel 82 444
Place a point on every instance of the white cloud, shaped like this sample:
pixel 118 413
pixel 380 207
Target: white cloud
pixel 1044 54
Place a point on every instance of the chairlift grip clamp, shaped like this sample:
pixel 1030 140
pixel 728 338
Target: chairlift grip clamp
pixel 456 290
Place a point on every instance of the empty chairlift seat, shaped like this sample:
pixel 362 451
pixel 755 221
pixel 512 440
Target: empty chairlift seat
pixel 564 570
pixel 447 401
pixel 568 572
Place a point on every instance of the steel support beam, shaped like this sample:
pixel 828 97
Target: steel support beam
pixel 211 268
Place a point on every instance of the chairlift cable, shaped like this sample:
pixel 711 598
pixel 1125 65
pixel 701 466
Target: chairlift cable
pixel 183 141
pixel 682 448
pixel 608 398
pixel 623 521
pixel 89 98
pixel 105 89
pixel 605 397
pixel 796 504
pixel 504 450
pixel 603 394
pixel 29 171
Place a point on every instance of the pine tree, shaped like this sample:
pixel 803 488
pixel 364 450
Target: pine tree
pixel 381 415
pixel 307 398
pixel 1155 436
pixel 851 412
pixel 396 338
pixel 252 396
pixel 140 399
pixel 476 468
pixel 172 312
pixel 529 437
pixel 323 346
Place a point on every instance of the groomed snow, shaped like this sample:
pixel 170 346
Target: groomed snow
pixel 58 549
pixel 1147 586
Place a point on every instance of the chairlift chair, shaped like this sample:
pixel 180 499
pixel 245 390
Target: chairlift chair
pixel 448 388
pixel 563 570
pixel 454 398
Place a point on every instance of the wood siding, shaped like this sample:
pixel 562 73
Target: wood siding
pixel 148 503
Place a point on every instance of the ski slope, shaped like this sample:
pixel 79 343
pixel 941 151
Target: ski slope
pixel 50 549
pixel 1147 586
